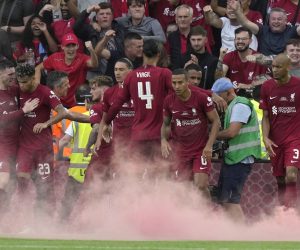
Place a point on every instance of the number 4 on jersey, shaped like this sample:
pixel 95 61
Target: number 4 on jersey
pixel 148 96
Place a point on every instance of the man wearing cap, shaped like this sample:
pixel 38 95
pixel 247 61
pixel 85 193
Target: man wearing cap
pixel 241 132
pixel 70 61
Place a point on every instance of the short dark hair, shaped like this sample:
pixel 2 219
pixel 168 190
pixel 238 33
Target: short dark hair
pixel 293 41
pixel 198 31
pixel 132 36
pixel 54 78
pixel 130 2
pixel 242 29
pixel 152 47
pixel 5 64
pixel 126 61
pixel 180 71
pixel 106 5
pixel 25 70
pixel 101 81
pixel 193 66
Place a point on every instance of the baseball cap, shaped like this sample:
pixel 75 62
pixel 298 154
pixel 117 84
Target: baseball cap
pixel 69 38
pixel 222 85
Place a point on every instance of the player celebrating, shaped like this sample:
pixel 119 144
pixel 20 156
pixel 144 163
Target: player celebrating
pixel 190 111
pixel 35 153
pixel 280 102
pixel 10 118
pixel 147 86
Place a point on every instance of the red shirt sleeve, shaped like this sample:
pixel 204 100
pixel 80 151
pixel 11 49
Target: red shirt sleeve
pixel 96 113
pixel 167 111
pixel 263 103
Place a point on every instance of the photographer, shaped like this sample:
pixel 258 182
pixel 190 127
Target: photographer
pixel 241 131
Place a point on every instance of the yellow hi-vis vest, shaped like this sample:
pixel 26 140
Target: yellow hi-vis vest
pixel 79 163
pixel 259 112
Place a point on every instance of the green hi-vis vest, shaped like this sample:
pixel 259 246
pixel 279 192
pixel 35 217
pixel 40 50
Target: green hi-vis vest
pixel 79 163
pixel 247 142
pixel 259 112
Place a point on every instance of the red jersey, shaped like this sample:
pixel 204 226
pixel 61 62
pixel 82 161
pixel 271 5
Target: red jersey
pixel 164 12
pixel 77 71
pixel 62 27
pixel 283 106
pixel 10 117
pixel 255 17
pixel 290 9
pixel 123 122
pixel 242 72
pixel 96 113
pixel 47 101
pixel 147 86
pixel 190 123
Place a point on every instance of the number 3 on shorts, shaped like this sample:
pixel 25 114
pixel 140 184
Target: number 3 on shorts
pixel 44 169
pixel 296 154
pixel 148 96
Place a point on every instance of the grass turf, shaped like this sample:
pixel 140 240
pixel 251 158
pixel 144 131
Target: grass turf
pixel 28 244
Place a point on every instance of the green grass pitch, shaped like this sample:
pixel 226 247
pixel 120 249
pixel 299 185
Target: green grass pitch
pixel 32 244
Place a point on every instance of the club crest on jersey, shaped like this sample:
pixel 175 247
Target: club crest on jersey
pixel 250 76
pixel 292 97
pixel 194 111
pixel 52 95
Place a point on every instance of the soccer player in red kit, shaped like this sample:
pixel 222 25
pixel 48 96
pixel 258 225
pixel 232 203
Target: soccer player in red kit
pixel 10 117
pixel 35 153
pixel 280 101
pixel 189 111
pixel 147 86
pixel 123 122
pixel 100 161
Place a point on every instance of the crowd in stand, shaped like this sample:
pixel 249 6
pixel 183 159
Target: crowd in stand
pixel 137 64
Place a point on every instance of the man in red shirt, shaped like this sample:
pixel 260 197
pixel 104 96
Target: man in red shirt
pixel 71 62
pixel 147 86
pixel 10 117
pixel 189 111
pixel 280 126
pixel 235 64
pixel 35 152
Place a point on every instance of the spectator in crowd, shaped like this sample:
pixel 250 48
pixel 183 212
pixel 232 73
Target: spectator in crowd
pixel 292 50
pixel 191 112
pixel 5 46
pixel 133 50
pixel 50 10
pixel 65 25
pixel 197 54
pixel 280 104
pixel 178 40
pixel 35 152
pixel 77 6
pixel 228 25
pixel 10 118
pixel 15 15
pixel 72 62
pixel 272 38
pixel 194 74
pixel 235 65
pixel 136 21
pixel 106 24
pixel 147 86
pixel 241 132
pixel 291 8
pixel 121 9
pixel 37 39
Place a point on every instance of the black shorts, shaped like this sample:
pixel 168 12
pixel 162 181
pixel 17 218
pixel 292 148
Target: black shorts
pixel 231 182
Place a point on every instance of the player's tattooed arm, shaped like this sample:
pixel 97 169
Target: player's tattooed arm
pixel 61 114
pixel 165 132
